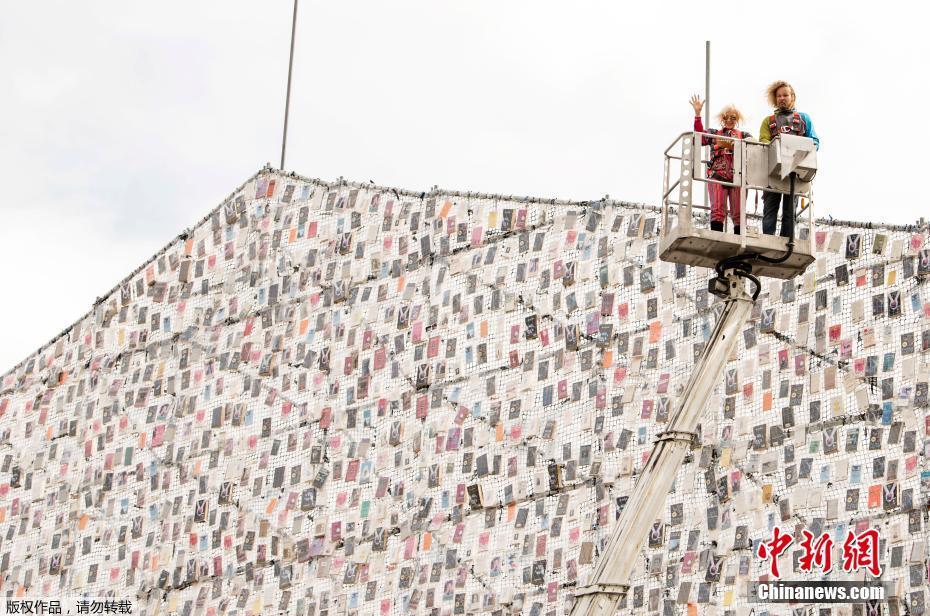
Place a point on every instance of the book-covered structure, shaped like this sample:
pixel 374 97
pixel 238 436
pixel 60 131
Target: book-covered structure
pixel 335 398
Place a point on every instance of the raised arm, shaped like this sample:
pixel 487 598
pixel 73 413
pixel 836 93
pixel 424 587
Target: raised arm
pixel 697 104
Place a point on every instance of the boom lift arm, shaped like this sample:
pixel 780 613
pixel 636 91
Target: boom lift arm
pixel 775 167
pixel 612 573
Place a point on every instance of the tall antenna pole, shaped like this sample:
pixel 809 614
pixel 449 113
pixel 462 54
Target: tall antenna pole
pixel 707 84
pixel 706 100
pixel 287 100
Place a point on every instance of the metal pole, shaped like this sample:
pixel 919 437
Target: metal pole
pixel 706 99
pixel 287 100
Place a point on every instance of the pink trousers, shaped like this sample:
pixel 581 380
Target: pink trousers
pixel 718 202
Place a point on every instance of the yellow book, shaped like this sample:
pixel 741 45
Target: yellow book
pixel 767 493
pixel 725 457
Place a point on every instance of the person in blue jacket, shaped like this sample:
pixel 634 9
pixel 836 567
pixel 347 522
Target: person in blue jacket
pixel 785 120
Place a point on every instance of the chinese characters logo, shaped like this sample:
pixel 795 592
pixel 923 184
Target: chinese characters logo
pixel 860 551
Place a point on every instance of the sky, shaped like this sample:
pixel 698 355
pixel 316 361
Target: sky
pixel 123 123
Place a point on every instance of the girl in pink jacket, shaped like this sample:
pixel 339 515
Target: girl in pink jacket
pixel 721 163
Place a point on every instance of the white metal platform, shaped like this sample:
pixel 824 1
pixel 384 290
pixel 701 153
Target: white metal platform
pixel 706 248
pixel 756 166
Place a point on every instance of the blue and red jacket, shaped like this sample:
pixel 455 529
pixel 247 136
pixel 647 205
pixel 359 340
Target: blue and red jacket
pixel 798 124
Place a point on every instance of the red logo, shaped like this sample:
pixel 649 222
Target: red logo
pixel 819 553
pixel 773 549
pixel 860 551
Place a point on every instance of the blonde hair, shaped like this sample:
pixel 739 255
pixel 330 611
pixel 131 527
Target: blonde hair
pixel 730 109
pixel 774 87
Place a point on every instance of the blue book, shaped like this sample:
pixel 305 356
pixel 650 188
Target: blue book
pixel 886 413
pixel 888 362
pixel 855 475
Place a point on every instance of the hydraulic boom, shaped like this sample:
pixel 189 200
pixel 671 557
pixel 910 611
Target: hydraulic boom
pixel 612 573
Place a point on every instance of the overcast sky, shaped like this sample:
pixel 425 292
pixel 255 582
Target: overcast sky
pixel 123 122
